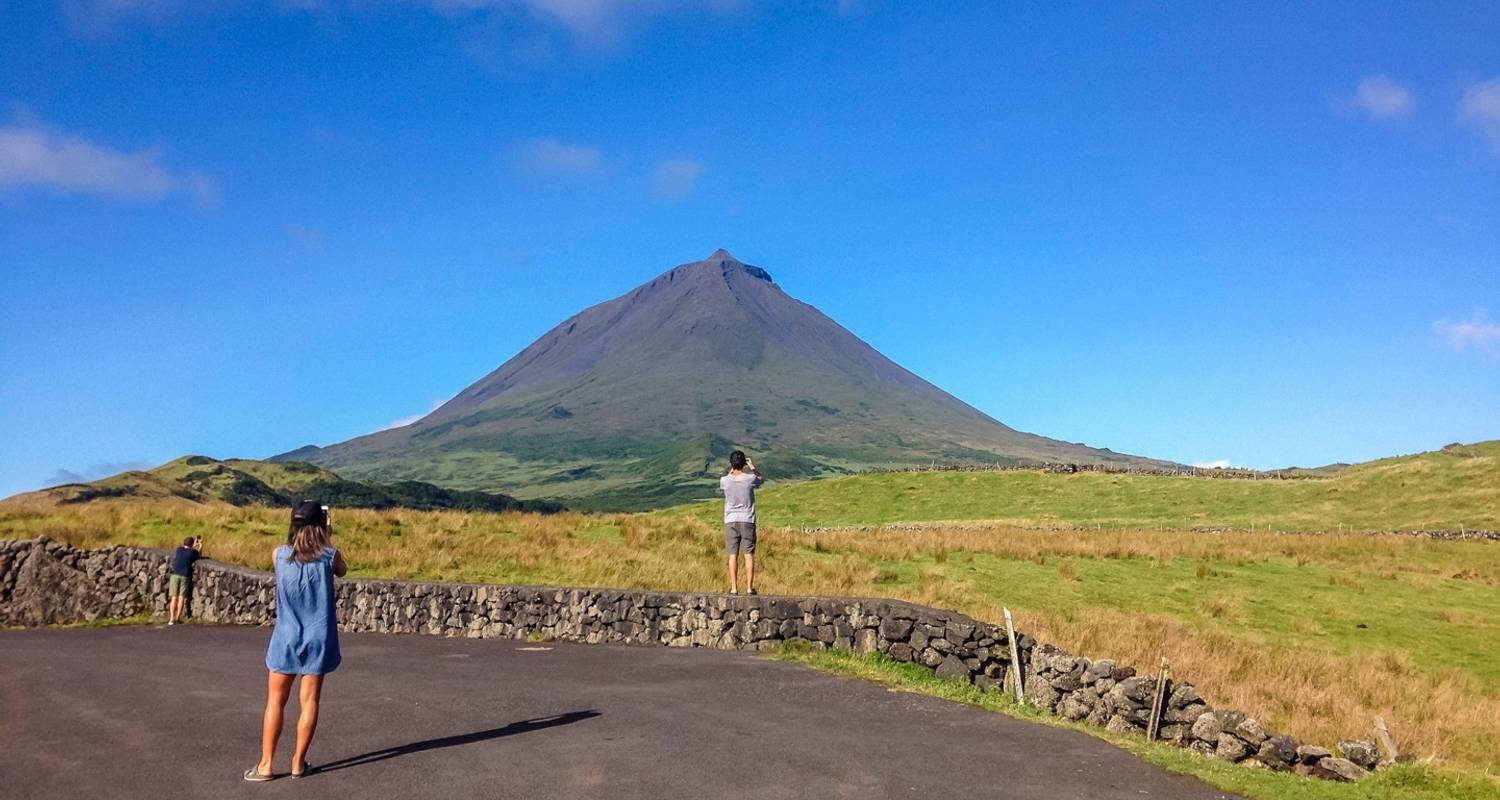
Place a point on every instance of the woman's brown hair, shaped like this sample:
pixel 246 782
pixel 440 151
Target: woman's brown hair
pixel 309 541
pixel 310 534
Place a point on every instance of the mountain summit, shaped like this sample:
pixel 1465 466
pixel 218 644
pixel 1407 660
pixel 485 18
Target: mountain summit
pixel 636 402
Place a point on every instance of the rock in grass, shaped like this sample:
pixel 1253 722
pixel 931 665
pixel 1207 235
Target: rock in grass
pixel 1188 714
pixel 1251 731
pixel 1231 748
pixel 1365 754
pixel 1278 752
pixel 1206 728
pixel 1311 754
pixel 1183 696
pixel 1071 708
pixel 1338 769
pixel 1040 693
pixel 952 668
pixel 1177 733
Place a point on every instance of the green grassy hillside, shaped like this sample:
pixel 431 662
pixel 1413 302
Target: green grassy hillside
pixel 1456 487
pixel 241 482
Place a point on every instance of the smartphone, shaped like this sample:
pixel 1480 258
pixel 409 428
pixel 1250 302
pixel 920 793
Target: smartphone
pixel 326 520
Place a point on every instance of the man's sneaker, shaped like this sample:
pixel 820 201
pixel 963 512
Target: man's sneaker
pixel 734 591
pixel 751 591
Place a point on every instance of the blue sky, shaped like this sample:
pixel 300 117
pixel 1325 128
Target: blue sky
pixel 1268 235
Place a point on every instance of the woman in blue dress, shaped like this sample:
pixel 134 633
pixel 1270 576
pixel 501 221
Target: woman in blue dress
pixel 305 641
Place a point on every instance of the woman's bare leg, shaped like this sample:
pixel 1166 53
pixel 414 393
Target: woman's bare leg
pixel 307 718
pixel 278 689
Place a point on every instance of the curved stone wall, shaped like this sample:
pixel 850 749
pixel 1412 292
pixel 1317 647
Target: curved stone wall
pixel 43 582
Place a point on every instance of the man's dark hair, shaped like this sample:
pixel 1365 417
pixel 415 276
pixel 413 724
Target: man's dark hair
pixel 737 460
pixel 188 542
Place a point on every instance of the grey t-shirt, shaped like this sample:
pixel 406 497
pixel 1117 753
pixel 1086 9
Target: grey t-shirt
pixel 739 496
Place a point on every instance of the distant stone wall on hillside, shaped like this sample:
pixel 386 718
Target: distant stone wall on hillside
pixel 44 582
pixel 1065 467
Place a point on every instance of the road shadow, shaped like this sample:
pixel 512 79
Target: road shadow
pixel 524 726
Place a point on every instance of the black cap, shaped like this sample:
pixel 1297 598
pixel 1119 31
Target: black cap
pixel 309 512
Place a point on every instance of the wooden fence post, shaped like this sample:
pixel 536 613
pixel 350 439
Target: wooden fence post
pixel 1015 658
pixel 1388 743
pixel 1153 725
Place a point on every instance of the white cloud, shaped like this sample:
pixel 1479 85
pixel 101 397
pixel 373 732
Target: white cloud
pixel 675 178
pixel 1381 98
pixel 547 157
pixel 1481 105
pixel 404 421
pixel 102 469
pixel 592 21
pixel 33 155
pixel 1222 463
pixel 1476 333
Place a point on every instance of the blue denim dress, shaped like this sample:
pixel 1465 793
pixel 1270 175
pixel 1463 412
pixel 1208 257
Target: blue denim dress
pixel 306 638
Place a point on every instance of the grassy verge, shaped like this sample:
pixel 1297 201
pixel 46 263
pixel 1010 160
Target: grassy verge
pixel 1403 782
pixel 143 618
pixel 1313 635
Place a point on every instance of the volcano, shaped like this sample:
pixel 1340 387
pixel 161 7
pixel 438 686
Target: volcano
pixel 636 403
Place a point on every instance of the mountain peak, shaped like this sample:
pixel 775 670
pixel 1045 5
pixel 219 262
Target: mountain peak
pixel 635 402
pixel 725 259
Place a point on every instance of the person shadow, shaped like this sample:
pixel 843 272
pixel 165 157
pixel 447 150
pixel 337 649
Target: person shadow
pixel 524 726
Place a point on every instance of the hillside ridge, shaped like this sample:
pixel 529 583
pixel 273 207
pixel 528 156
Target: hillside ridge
pixel 198 479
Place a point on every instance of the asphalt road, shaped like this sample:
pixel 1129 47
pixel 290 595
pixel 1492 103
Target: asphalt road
pixel 138 712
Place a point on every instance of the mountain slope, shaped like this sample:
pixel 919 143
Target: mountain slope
pixel 635 402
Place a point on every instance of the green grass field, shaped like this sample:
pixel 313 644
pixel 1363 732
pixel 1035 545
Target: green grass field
pixel 1314 635
pixel 1450 489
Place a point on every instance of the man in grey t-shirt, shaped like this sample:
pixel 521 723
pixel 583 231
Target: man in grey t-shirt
pixel 739 517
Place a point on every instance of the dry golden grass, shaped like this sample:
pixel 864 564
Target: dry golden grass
pixel 1314 635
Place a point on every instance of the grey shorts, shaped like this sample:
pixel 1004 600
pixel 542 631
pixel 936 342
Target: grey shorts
pixel 739 537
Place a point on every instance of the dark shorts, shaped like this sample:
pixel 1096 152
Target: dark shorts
pixel 739 537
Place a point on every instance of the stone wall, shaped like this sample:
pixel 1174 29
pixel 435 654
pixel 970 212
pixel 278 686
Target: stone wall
pixel 44 582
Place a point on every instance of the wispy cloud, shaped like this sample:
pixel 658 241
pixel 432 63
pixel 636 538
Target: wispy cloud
pixel 549 158
pixel 1481 105
pixel 1379 97
pixel 675 178
pixel 102 469
pixel 1222 463
pixel 404 421
pixel 35 155
pixel 1474 333
pixel 590 22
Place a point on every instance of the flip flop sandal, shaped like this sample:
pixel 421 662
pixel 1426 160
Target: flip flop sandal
pixel 307 769
pixel 253 775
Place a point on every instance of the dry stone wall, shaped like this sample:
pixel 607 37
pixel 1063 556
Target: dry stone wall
pixel 43 582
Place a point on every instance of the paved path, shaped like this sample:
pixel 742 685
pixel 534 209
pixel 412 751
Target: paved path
pixel 156 712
